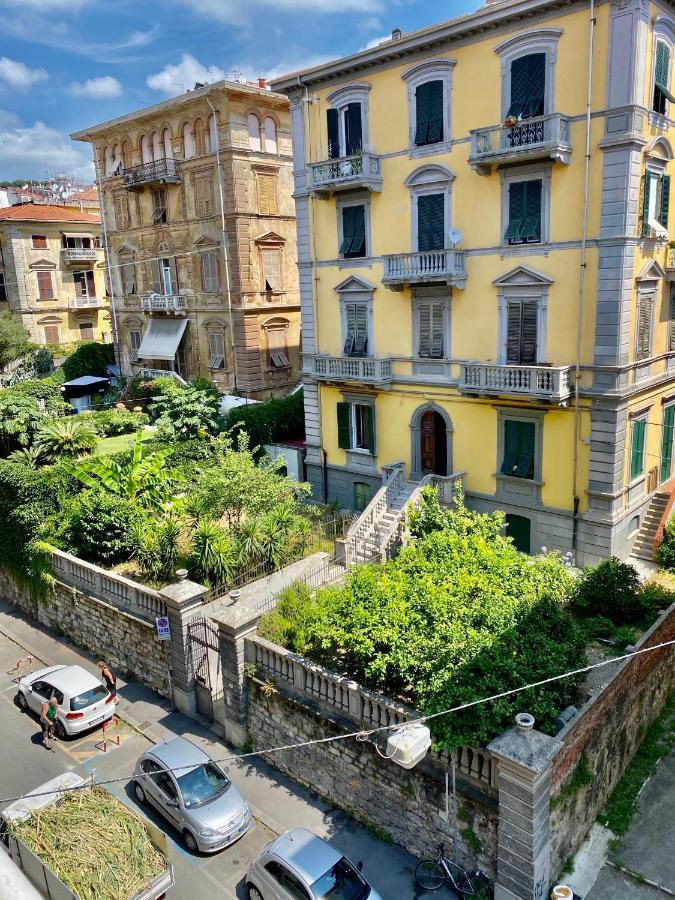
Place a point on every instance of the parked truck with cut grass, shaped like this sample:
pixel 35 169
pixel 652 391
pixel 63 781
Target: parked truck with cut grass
pixel 76 841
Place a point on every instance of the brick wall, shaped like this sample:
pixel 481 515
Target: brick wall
pixel 407 805
pixel 607 732
pixel 126 641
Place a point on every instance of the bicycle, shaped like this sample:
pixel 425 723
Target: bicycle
pixel 430 874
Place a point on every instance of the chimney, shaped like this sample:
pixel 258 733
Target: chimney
pixel 262 82
pixel 396 34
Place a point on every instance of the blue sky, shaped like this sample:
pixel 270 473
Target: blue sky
pixel 66 64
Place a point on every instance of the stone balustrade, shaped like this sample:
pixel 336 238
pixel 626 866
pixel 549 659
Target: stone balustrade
pixel 550 382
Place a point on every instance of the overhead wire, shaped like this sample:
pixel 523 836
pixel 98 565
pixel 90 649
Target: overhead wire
pixel 360 735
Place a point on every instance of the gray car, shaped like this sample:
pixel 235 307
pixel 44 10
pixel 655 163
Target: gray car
pixel 190 790
pixel 300 865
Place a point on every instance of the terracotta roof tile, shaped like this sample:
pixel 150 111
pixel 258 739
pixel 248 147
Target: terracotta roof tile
pixel 43 212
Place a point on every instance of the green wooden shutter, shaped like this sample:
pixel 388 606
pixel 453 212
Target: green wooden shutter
pixel 156 276
pixel 362 495
pixel 667 442
pixel 511 446
pixel 369 415
pixel 528 85
pixel 662 65
pixel 343 426
pixel 525 459
pixel 514 313
pixel 353 129
pixel 646 190
pixel 528 340
pixel 516 211
pixel 437 329
pixel 531 227
pixel 665 198
pixel 361 329
pixel 518 529
pixel 347 230
pixel 637 448
pixel 332 122
pixel 350 337
pixel 358 247
pixel 435 129
pixel 672 319
pixel 424 329
pixel 422 113
pixel 431 222
pixel 644 328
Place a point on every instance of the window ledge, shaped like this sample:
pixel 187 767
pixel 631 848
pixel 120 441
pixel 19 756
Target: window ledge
pixel 354 261
pixel 637 481
pixel 516 480
pixel 429 149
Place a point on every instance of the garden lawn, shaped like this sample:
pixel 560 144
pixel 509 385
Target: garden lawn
pixel 110 445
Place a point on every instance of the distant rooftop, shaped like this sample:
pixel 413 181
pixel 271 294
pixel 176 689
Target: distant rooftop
pixel 46 212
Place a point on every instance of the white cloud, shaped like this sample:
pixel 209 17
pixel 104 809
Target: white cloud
pixel 26 151
pixel 173 80
pixel 102 88
pixel 17 75
pixel 374 42
pixel 8 119
pixel 43 6
pixel 231 10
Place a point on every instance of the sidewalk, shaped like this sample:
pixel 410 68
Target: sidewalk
pixel 277 802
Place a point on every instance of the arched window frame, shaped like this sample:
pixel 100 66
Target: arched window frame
pixel 340 100
pixel 425 180
pixel 199 132
pixel 276 348
pixel 189 146
pixel 167 143
pixel 146 149
pixel 664 32
pixel 415 438
pixel 542 40
pixel 430 70
pixel 253 129
pixel 271 144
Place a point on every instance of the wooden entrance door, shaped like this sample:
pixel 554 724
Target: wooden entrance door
pixel 428 439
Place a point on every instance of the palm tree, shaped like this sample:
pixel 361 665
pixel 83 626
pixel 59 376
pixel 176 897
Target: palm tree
pixel 65 438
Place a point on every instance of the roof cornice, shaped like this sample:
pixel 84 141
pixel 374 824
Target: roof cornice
pixel 426 40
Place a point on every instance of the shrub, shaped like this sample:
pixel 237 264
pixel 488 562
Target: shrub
pixel 212 560
pixel 190 413
pixel 612 589
pixel 14 339
pixel 20 417
pixel 96 525
pixel 292 621
pixel 205 384
pixel 90 358
pixel 70 437
pixel 43 389
pixel 183 453
pixel 665 555
pixel 277 420
pixel 156 547
pixel 653 598
pixel 112 422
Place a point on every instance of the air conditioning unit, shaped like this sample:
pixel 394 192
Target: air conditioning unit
pixel 408 745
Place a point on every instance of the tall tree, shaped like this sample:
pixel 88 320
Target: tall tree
pixel 14 339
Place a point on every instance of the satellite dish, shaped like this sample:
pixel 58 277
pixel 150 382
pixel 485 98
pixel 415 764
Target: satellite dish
pixel 456 236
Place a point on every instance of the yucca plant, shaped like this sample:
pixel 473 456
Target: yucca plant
pixel 65 438
pixel 212 559
pixel 250 542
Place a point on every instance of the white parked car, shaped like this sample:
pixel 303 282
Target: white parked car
pixel 83 701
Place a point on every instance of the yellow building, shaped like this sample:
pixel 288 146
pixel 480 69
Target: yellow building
pixel 52 273
pixel 200 228
pixel 476 296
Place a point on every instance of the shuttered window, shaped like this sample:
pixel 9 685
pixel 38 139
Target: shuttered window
pixel 356 427
pixel 216 350
pixel 524 212
pixel 671 334
pixel 86 331
pixel 521 332
pixel 667 442
pixel 431 329
pixel 637 448
pixel 661 78
pixel 84 284
pixel 353 231
pixel 203 197
pixel 128 276
pixel 134 343
pixel 431 222
pixel 429 113
pixel 353 128
pixel 267 194
pixel 356 326
pixel 528 85
pixel 643 339
pixel 276 345
pixel 271 269
pixel 159 206
pixel 210 272
pixel 163 276
pixel 51 334
pixel 45 285
pixel 39 242
pixel 518 449
pixel 655 204
pixel 121 213
pixel 333 133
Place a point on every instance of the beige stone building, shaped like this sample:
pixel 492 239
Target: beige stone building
pixel 52 273
pixel 173 178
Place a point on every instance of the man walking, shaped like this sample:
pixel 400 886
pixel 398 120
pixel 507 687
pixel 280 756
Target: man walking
pixel 48 722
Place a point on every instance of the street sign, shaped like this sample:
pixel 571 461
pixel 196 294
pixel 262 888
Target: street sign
pixel 163 628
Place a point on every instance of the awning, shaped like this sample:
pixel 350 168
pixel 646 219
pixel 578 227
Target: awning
pixel 161 338
pixel 77 234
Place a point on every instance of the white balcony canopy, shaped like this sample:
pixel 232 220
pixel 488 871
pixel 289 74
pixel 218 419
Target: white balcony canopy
pixel 162 338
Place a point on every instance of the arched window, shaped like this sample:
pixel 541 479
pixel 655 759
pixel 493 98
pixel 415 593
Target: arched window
pixel 168 146
pixel 213 132
pixel 157 150
pixel 198 130
pixel 146 154
pixel 126 154
pixel 117 159
pixel 270 135
pixel 254 132
pixel 108 161
pixel 188 141
pixel 276 339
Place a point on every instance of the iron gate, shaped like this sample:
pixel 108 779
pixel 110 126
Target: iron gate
pixel 203 643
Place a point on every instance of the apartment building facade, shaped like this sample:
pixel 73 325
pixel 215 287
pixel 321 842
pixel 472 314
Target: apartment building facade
pixel 52 273
pixel 474 298
pixel 186 299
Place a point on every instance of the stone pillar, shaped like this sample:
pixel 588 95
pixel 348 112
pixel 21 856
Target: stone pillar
pixel 524 758
pixel 182 599
pixel 237 621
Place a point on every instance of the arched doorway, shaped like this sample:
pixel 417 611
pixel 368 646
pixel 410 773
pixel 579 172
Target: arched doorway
pixel 433 444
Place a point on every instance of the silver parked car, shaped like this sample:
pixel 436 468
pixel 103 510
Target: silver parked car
pixel 83 701
pixel 190 790
pixel 300 865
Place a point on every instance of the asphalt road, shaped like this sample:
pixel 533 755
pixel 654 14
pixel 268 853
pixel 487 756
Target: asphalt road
pixel 25 764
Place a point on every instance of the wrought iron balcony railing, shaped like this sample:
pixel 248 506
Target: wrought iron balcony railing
pixel 551 382
pixel 536 138
pixel 425 266
pixel 161 170
pixel 358 170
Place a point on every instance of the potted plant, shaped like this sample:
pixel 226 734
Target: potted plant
pixel 510 120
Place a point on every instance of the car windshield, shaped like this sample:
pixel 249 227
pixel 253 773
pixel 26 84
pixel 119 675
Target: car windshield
pixel 341 882
pixel 202 784
pixel 88 697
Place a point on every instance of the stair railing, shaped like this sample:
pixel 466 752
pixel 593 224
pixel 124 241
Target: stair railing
pixel 665 517
pixel 366 524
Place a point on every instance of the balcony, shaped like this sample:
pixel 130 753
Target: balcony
pixel 71 255
pixel 358 369
pixel 166 303
pixel 542 137
pixel 540 382
pixel 86 303
pixel 361 170
pixel 161 171
pixel 425 267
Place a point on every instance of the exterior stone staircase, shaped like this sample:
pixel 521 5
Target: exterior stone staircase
pixel 378 529
pixel 643 548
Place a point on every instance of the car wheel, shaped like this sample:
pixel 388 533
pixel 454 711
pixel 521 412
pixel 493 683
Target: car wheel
pixel 61 732
pixel 253 893
pixel 21 700
pixel 140 793
pixel 191 843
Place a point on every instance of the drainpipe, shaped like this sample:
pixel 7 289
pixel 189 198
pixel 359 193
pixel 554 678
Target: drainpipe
pixel 111 282
pixel 226 260
pixel 582 278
